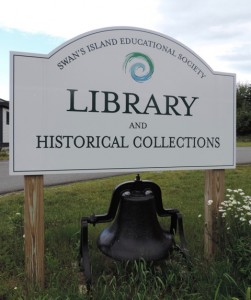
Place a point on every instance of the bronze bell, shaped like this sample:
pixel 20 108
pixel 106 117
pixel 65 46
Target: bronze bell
pixel 135 232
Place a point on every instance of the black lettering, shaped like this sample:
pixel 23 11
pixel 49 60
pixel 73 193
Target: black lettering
pixel 154 105
pixel 75 55
pixel 82 50
pixel 188 107
pixel 59 142
pixel 65 61
pixel 60 65
pixel 137 144
pixel 171 106
pixel 172 142
pixel 68 137
pixel 90 140
pixel 131 103
pixel 94 101
pixel 103 141
pixel 79 141
pixel 217 142
pixel 178 142
pixel 201 142
pixel 109 101
pixel 147 142
pixel 72 101
pixel 42 140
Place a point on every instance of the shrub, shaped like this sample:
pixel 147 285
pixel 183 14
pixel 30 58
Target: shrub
pixel 243 124
pixel 235 213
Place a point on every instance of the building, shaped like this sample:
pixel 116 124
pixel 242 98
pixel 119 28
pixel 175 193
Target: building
pixel 4 123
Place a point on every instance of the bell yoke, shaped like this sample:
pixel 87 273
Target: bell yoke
pixel 135 233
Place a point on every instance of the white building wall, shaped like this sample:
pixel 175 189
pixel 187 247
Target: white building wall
pixel 5 126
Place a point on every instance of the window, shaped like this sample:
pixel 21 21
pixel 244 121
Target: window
pixel 7 118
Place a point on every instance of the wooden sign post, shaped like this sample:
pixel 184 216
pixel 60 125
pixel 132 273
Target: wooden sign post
pixel 34 229
pixel 213 195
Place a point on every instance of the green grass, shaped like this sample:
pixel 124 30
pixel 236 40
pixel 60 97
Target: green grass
pixel 243 144
pixel 244 141
pixel 171 279
pixel 4 155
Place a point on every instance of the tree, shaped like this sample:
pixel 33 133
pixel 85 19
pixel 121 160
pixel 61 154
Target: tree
pixel 243 96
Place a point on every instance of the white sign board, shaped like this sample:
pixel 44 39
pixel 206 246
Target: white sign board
pixel 120 99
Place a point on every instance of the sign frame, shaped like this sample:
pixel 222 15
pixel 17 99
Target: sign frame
pixel 179 98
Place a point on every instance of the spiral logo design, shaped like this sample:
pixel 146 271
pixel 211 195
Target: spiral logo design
pixel 139 65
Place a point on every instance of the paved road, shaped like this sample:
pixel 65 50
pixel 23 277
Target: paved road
pixel 15 183
pixel 243 155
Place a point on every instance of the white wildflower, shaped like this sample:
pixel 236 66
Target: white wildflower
pixel 82 289
pixel 199 216
pixel 209 202
pixel 246 207
pixel 235 208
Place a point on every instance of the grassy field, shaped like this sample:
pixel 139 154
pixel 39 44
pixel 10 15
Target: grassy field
pixel 224 278
pixel 244 141
pixel 4 155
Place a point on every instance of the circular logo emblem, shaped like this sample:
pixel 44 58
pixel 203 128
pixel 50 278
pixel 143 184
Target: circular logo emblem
pixel 139 65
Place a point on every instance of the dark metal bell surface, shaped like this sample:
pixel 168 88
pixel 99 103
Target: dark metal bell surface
pixel 136 232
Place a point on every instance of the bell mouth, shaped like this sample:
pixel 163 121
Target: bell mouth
pixel 136 232
pixel 126 249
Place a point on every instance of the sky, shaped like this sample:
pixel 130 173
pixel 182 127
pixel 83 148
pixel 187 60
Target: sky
pixel 219 31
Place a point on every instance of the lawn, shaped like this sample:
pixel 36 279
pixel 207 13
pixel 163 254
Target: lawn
pixel 226 277
pixel 4 155
pixel 244 141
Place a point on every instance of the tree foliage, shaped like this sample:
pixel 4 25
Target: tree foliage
pixel 243 95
